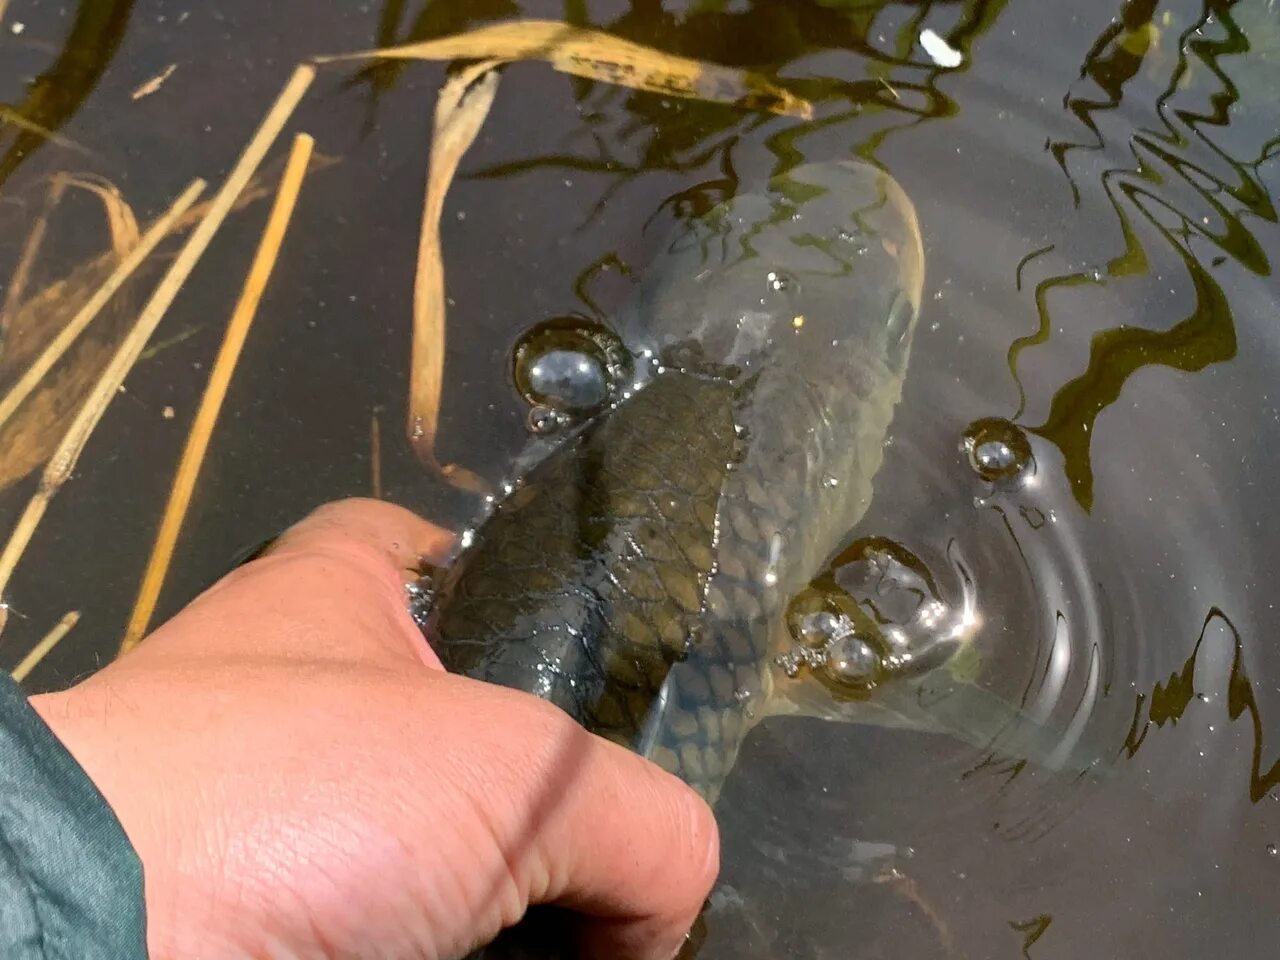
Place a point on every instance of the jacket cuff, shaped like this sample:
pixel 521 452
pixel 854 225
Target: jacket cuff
pixel 70 881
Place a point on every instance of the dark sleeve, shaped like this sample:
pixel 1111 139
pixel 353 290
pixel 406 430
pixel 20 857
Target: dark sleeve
pixel 70 882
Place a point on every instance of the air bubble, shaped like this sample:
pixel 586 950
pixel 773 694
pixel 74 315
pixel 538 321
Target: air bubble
pixel 570 365
pixel 780 282
pixel 998 450
pixel 878 593
pixel 853 661
pixel 572 380
pixel 816 630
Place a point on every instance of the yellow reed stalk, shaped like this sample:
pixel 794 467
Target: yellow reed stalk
pixel 215 393
pixel 45 646
pixel 68 451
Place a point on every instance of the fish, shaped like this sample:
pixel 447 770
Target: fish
pixel 639 573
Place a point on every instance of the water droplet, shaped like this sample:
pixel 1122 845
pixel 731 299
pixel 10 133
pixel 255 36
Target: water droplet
pixel 853 661
pixel 998 449
pixel 780 282
pixel 543 420
pixel 1273 850
pixel 789 663
pixel 829 481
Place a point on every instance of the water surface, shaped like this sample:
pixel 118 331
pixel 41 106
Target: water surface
pixel 1095 183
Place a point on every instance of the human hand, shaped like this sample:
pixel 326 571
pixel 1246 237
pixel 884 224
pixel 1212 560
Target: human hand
pixel 301 778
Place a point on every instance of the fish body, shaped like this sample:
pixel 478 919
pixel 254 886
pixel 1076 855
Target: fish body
pixel 638 574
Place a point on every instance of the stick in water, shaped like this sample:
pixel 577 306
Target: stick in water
pixel 42 649
pixel 216 391
pixel 68 451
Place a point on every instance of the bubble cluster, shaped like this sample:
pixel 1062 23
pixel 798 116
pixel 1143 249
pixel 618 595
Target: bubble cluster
pixel 875 613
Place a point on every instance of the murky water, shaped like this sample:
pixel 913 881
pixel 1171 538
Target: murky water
pixel 1095 185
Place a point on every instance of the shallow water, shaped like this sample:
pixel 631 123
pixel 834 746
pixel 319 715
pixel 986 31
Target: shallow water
pixel 1094 183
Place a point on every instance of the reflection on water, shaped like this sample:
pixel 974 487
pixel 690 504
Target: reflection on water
pixel 1169 701
pixel 1183 190
pixel 1096 185
pixel 53 97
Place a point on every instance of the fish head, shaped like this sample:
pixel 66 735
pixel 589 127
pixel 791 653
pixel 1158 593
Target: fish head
pixel 825 261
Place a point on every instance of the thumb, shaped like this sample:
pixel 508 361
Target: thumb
pixel 584 824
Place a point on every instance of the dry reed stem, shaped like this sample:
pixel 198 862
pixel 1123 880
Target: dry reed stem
pixel 30 250
pixel 45 646
pixel 375 456
pixel 86 314
pixel 461 110
pixel 30 435
pixel 603 57
pixel 14 118
pixel 65 455
pixel 68 451
pixel 215 393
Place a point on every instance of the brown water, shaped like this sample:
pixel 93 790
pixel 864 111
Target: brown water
pixel 1095 184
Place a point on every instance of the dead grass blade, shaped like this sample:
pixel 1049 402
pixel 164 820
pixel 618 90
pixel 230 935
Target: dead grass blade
pixel 73 442
pixel 45 646
pixel 461 110
pixel 68 451
pixel 603 57
pixel 215 392
pixel 65 337
pixel 154 84
pixel 375 456
pixel 120 217
pixel 30 435
pixel 30 251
